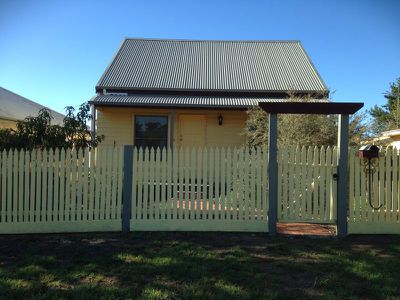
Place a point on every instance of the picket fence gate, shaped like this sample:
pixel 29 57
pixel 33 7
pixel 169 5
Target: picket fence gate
pixel 307 188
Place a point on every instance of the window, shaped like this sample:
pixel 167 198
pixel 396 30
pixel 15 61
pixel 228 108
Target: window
pixel 151 131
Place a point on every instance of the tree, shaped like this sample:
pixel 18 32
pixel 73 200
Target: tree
pixel 387 116
pixel 304 130
pixel 37 132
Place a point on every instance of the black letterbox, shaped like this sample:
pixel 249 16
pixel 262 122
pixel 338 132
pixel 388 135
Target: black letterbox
pixel 369 151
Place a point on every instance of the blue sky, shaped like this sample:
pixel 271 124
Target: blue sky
pixel 54 52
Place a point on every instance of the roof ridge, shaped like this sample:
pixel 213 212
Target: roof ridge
pixel 210 40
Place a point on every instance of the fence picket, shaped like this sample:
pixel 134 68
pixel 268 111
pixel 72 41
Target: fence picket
pixel 186 185
pixel 43 198
pixel 204 210
pixel 333 185
pixel 73 214
pixel 309 183
pixel 297 183
pixel 181 175
pixel 234 184
pixel 211 184
pixel 175 200
pixel 103 183
pixel 170 185
pixel 216 197
pixel 3 186
pixel 92 189
pixel 97 183
pixel 164 183
pixel 119 182
pixel 21 186
pixel 27 163
pixel 14 186
pixel 240 186
pixel 283 178
pixel 358 211
pixel 291 187
pixel 388 205
pixel 246 185
pixel 140 183
pixel 157 174
pixel 79 176
pixel 281 200
pixel 315 202
pixel 108 183
pixel 199 197
pixel 146 171
pixel 151 184
pixel 192 183
pixel 50 185
pixel 328 186
pixel 259 184
pixel 85 184
pixel 395 193
pixel 63 161
pixel 381 198
pixel 265 185
pixel 222 187
pixel 38 185
pixel 303 182
pixel 352 209
pixel 228 201
pixel 375 193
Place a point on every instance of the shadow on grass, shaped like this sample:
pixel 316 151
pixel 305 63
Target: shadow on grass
pixel 196 266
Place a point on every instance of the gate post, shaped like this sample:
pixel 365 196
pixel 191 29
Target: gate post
pixel 127 189
pixel 342 187
pixel 272 174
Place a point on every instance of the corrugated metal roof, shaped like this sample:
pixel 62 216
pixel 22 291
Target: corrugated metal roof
pixel 182 101
pixel 15 107
pixel 277 66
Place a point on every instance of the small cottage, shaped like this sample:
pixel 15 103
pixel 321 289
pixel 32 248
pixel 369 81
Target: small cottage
pixel 158 93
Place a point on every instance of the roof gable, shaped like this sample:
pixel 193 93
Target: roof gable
pixel 186 65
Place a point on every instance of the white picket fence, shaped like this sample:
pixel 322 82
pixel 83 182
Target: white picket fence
pixel 207 189
pixel 385 191
pixel 306 185
pixel 213 189
pixel 60 190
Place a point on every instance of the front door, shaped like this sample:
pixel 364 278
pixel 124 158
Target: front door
pixel 192 130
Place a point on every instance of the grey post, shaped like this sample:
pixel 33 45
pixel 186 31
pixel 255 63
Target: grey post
pixel 127 188
pixel 342 186
pixel 272 173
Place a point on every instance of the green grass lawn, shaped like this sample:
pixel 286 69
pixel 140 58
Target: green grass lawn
pixel 197 266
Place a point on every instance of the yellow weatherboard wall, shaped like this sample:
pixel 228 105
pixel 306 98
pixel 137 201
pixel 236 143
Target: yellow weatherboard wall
pixel 4 123
pixel 117 124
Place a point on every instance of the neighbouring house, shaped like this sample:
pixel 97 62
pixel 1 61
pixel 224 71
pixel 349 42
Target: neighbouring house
pixel 158 92
pixel 15 108
pixel 389 138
